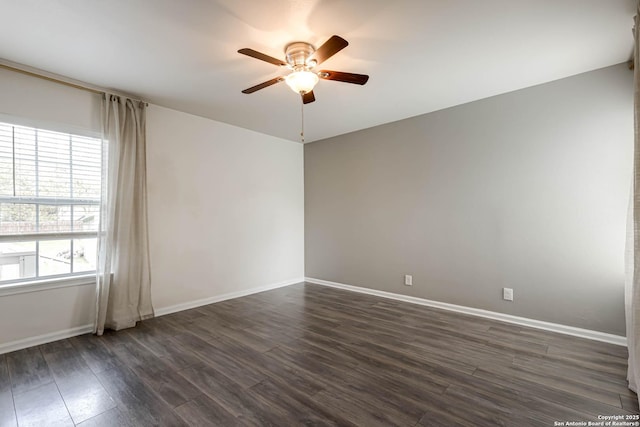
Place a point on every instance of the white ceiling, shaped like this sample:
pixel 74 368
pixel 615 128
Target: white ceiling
pixel 421 55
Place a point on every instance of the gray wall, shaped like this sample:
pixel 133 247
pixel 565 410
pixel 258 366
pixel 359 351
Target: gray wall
pixel 526 190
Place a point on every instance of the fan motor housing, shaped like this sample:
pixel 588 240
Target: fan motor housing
pixel 297 54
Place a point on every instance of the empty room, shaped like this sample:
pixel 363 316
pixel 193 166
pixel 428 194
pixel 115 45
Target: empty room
pixel 319 212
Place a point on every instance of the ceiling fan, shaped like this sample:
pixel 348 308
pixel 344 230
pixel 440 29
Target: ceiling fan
pixel 301 59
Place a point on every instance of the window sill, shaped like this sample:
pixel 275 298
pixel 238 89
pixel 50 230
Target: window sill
pixel 46 284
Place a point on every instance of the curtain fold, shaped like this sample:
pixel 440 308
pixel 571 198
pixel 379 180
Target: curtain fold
pixel 123 273
pixel 632 285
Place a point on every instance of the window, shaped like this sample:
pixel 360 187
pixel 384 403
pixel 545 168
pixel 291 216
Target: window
pixel 49 203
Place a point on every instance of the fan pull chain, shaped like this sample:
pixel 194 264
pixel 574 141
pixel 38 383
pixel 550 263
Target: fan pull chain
pixel 302 122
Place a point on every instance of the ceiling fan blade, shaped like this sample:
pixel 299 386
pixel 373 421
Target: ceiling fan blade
pixel 308 97
pixel 263 85
pixel 261 56
pixel 332 46
pixel 358 79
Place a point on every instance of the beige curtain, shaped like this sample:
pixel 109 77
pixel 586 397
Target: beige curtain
pixel 632 288
pixel 123 277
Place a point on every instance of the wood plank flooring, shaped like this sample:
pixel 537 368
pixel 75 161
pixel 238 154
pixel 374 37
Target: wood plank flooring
pixel 313 355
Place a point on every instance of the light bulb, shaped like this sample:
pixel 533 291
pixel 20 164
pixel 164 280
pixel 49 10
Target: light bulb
pixel 302 81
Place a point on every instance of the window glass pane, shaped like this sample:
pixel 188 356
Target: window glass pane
pixel 84 254
pixel 54 164
pixel 54 257
pixel 17 260
pixel 86 217
pixel 25 161
pixel 85 167
pixel 55 218
pixel 17 218
pixel 6 160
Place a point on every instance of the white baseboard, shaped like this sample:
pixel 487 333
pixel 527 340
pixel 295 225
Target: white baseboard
pixel 44 339
pixel 205 301
pixel 523 321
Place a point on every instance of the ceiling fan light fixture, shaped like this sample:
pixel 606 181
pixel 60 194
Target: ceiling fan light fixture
pixel 302 81
pixel 301 59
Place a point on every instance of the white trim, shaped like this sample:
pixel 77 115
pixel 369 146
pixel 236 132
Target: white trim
pixel 205 301
pixel 532 323
pixel 45 338
pixel 47 284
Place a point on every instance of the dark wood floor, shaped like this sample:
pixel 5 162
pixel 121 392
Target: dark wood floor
pixel 308 354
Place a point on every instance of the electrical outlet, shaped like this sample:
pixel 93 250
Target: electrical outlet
pixel 408 280
pixel 507 294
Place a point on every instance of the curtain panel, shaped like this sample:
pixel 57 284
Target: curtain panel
pixel 632 285
pixel 123 272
